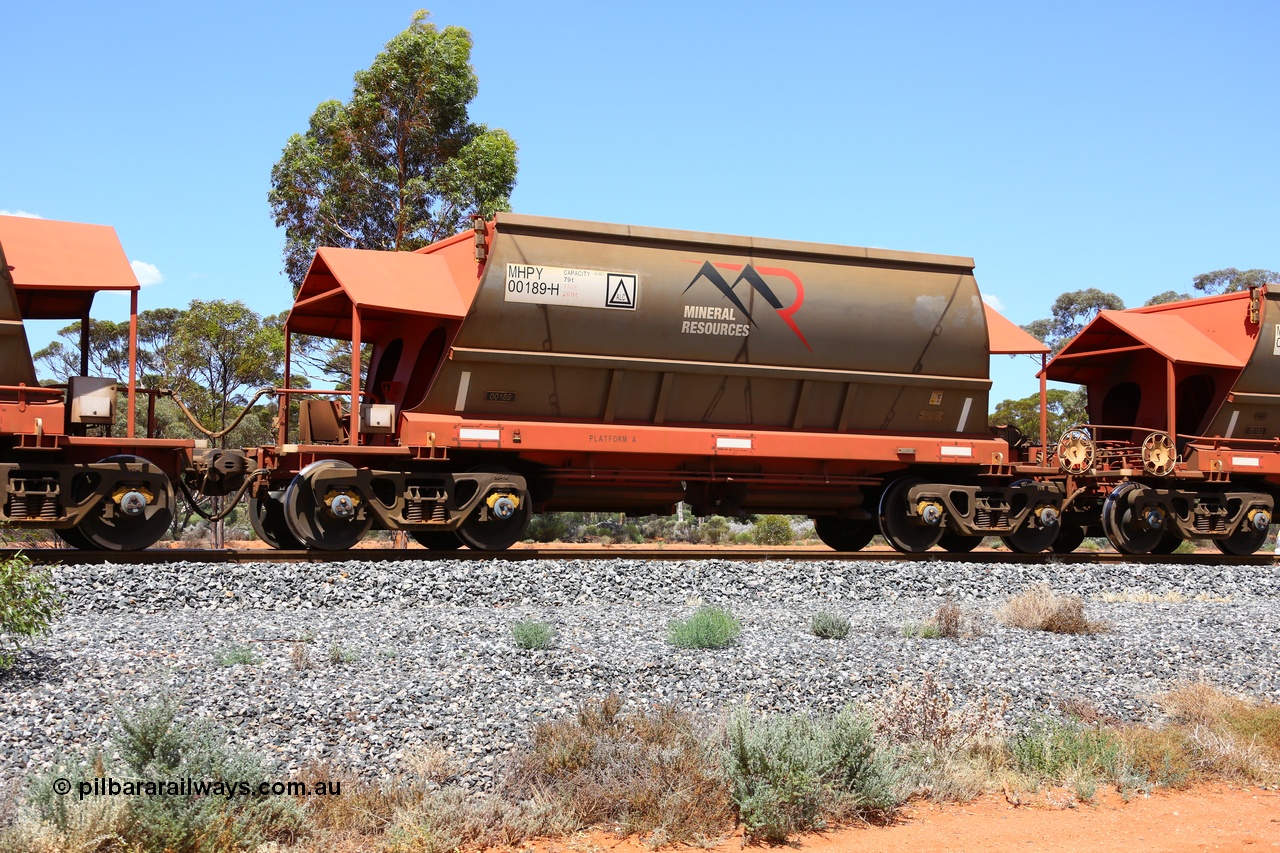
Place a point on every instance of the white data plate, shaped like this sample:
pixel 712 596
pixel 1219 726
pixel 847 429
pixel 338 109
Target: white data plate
pixel 563 286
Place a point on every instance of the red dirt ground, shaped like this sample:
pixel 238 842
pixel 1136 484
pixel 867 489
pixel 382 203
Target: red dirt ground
pixel 1211 817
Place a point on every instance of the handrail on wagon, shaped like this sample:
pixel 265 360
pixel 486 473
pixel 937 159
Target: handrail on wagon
pixel 1218 441
pixel 22 389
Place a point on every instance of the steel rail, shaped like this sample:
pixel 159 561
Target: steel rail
pixel 266 555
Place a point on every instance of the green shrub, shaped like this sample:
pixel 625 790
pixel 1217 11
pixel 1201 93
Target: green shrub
pixel 714 530
pixel 159 750
pixel 548 527
pixel 792 774
pixel 1058 752
pixel 531 634
pixel 829 626
pixel 659 527
pixel 29 602
pixel 709 628
pixel 341 654
pixel 772 530
pixel 927 630
pixel 237 653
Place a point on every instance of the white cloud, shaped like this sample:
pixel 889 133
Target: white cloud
pixel 146 273
pixel 993 300
pixel 20 213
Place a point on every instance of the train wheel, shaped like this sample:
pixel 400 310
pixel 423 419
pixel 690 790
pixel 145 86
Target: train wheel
pixel 136 522
pixel 1123 528
pixel 266 515
pixel 901 530
pixel 497 533
pixel 322 525
pixel 1069 539
pixel 1243 542
pixel 73 537
pixel 438 540
pixel 842 534
pixel 1168 544
pixel 954 543
pixel 1031 540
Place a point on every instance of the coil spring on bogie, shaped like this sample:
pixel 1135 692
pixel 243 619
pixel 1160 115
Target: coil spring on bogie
pixel 33 500
pixel 416 504
pixel 1209 523
pixel 985 519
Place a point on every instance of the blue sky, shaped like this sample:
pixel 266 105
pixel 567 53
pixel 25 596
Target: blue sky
pixel 1125 146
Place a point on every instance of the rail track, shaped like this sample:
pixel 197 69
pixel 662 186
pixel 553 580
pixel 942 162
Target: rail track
pixel 263 555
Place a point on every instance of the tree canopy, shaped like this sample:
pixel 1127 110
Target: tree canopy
pixel 1071 312
pixel 401 164
pixel 1231 279
pixel 1065 408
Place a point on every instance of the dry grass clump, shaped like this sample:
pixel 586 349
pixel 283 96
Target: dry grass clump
pixel 1229 737
pixel 1173 596
pixel 925 714
pixel 419 811
pixel 653 772
pixel 950 620
pixel 949 753
pixel 1038 608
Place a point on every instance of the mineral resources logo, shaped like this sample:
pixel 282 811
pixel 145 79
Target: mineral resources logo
pixel 725 321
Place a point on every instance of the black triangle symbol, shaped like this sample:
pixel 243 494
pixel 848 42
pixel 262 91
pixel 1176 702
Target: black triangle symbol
pixel 624 299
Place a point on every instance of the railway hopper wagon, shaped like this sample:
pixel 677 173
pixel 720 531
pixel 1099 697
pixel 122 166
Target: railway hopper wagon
pixel 60 465
pixel 536 364
pixel 1184 433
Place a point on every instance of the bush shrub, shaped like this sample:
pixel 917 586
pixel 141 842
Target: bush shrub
pixel 159 750
pixel 1060 752
pixel 237 654
pixel 792 774
pixel 29 602
pixel 714 530
pixel 829 626
pixel 340 654
pixel 708 628
pixel 548 527
pixel 924 714
pixel 1037 608
pixel 531 634
pixel 654 771
pixel 772 530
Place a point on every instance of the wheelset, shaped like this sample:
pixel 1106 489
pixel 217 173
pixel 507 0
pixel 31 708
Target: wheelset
pixel 842 534
pixel 1127 530
pixel 900 529
pixel 266 516
pixel 437 540
pixel 325 518
pixel 132 518
pixel 954 543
